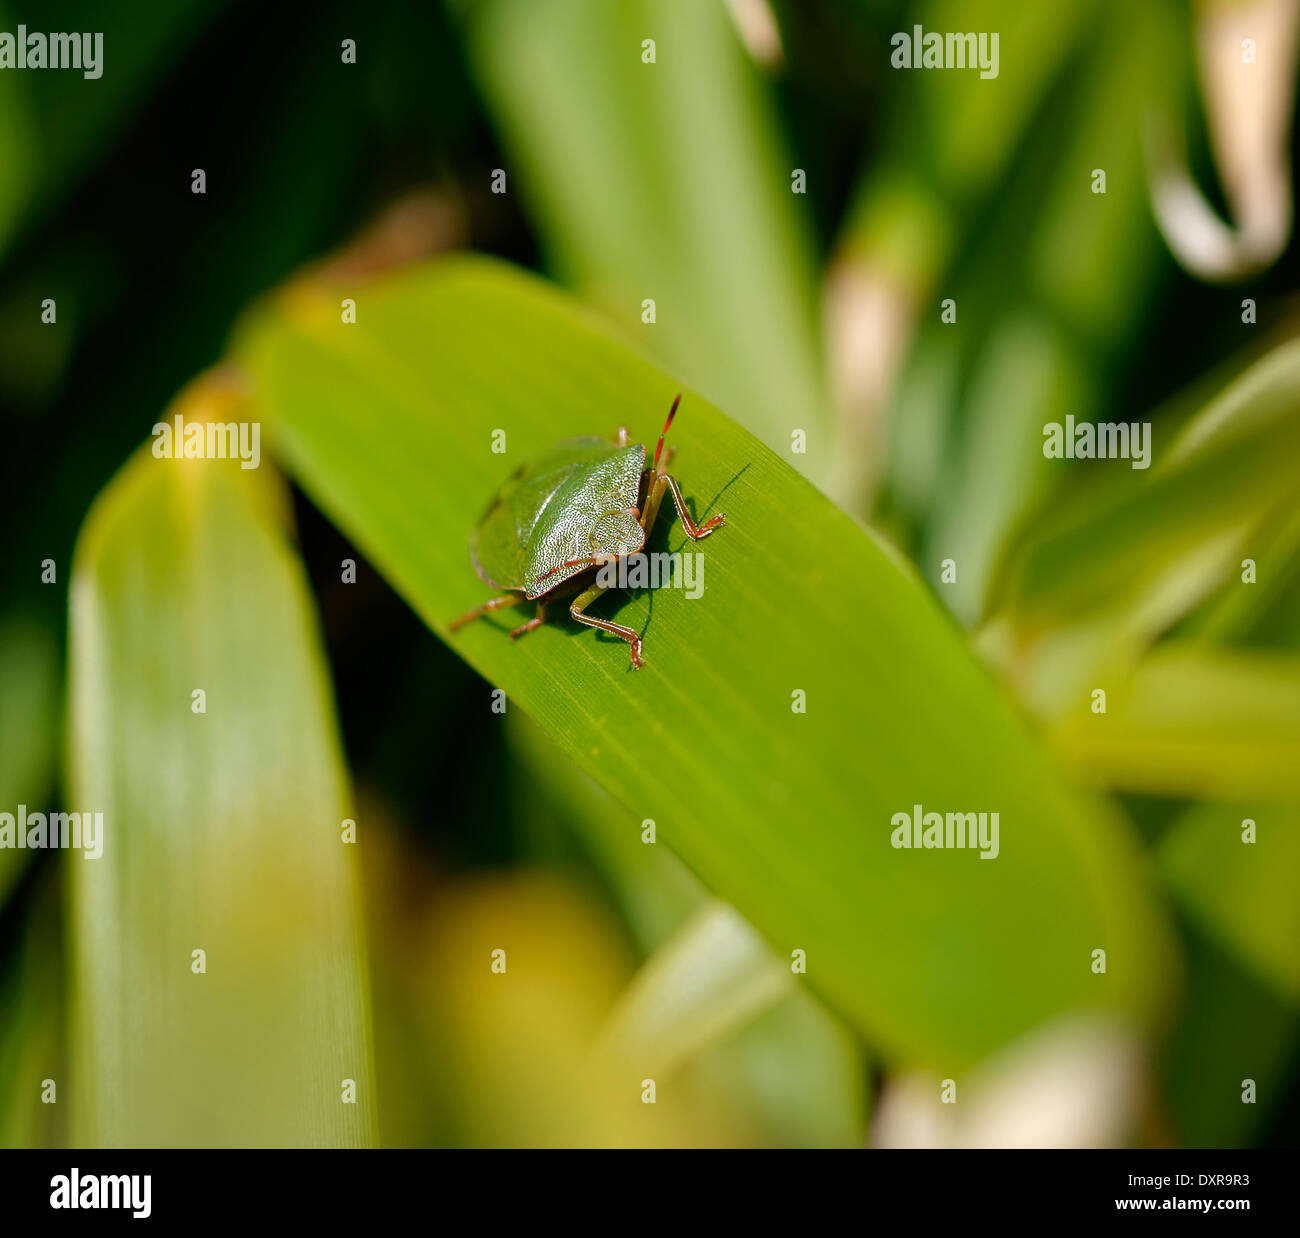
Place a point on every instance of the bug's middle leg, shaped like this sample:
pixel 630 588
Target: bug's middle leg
pixel 578 609
pixel 535 622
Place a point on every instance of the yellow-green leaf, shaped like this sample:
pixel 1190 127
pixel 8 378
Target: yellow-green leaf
pixel 221 828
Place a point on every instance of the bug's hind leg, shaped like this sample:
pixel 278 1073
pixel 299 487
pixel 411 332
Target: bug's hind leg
pixel 578 609
pixel 510 599
pixel 535 622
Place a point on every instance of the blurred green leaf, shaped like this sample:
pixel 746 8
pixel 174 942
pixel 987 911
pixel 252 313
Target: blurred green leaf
pixel 17 150
pixel 29 688
pixel 222 829
pixel 1232 1029
pixel 922 407
pixel 714 976
pixel 941 956
pixel 32 1048
pixel 1042 316
pixel 513 1051
pixel 717 1000
pixel 1192 720
pixel 1028 373
pixel 1130 554
pixel 1266 612
pixel 1092 250
pixel 667 182
pixel 801 1073
pixel 655 891
pixel 971 126
pixel 1228 469
pixel 54 123
pixel 792 1064
pixel 1243 895
pixel 952 137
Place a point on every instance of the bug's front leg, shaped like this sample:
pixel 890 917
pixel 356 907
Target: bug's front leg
pixel 658 484
pixel 630 635
pixel 510 599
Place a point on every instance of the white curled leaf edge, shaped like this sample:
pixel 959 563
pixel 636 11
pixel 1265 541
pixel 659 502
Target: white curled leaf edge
pixel 1248 112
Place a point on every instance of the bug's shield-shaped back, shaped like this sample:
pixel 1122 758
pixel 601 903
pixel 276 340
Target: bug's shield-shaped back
pixel 570 502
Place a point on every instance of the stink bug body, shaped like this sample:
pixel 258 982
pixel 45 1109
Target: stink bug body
pixel 582 504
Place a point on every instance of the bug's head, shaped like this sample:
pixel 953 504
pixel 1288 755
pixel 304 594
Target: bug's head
pixel 672 412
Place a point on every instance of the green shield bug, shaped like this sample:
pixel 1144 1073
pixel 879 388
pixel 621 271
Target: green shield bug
pixel 582 504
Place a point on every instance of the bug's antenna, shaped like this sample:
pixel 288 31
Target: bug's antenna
pixel 672 412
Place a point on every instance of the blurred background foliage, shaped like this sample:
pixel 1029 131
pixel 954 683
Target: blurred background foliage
pixel 817 311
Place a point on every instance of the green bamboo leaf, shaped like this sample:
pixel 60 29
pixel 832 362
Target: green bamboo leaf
pixel 716 975
pixel 1133 554
pixel 1092 254
pixel 968 129
pixel 221 829
pixel 30 690
pixel 1192 720
pixel 1242 893
pixel 1028 373
pixel 1234 1028
pixel 1185 519
pixel 33 1056
pixel 683 222
pixel 52 125
pixel 938 956
pixel 1265 612
pixel 1040 320
pixel 800 1071
pixel 17 151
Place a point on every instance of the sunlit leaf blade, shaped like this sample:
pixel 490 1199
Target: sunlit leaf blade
pixel 938 956
pixel 222 829
pixel 1242 892
pixel 685 221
